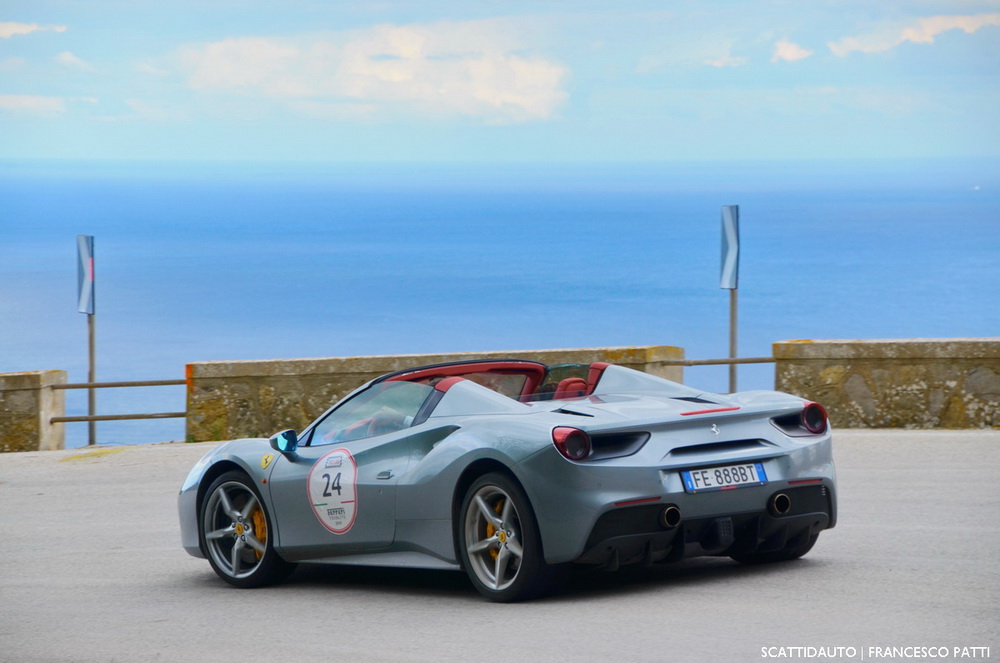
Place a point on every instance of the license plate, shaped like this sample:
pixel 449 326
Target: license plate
pixel 726 477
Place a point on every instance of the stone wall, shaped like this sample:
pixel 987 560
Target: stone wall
pixel 910 383
pixel 233 399
pixel 26 405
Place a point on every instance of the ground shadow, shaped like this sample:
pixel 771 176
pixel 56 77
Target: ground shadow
pixel 581 583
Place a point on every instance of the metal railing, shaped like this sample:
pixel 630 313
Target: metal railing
pixel 731 362
pixel 119 417
pixel 717 362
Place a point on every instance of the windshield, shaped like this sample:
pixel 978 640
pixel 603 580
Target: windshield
pixel 386 407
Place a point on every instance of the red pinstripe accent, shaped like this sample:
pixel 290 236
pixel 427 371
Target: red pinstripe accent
pixel 643 500
pixel 718 409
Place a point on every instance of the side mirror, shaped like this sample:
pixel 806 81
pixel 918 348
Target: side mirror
pixel 287 441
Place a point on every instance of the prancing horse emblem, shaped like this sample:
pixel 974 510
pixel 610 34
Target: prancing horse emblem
pixel 715 429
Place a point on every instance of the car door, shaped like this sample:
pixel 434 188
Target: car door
pixel 337 494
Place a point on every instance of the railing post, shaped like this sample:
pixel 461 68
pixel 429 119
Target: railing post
pixel 733 326
pixel 53 404
pixel 91 377
pixel 28 403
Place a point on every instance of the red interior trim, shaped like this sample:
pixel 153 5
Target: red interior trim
pixel 594 376
pixel 534 373
pixel 447 383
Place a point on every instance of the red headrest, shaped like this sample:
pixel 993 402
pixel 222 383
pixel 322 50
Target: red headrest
pixel 571 387
pixel 596 371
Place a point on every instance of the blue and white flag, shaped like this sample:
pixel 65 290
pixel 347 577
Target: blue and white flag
pixel 85 273
pixel 729 277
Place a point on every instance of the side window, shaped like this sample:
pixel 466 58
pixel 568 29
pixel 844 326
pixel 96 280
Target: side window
pixel 384 408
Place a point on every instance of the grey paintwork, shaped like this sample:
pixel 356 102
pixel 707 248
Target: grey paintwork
pixel 407 480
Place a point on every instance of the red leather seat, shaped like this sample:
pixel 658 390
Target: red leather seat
pixel 571 388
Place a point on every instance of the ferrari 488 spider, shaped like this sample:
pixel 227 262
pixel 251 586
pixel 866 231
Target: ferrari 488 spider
pixel 514 471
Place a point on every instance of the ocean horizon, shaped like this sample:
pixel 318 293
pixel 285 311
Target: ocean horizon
pixel 202 261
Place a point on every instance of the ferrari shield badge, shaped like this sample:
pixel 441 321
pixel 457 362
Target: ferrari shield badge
pixel 266 460
pixel 333 490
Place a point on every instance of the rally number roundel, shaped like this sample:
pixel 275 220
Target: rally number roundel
pixel 333 490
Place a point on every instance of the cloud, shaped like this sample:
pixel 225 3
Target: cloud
pixel 441 70
pixel 67 59
pixel 335 111
pixel 145 110
pixel 780 103
pixel 9 29
pixel 477 69
pixel 922 32
pixel 151 69
pixel 248 63
pixel 726 61
pixel 135 110
pixel 712 50
pixel 691 39
pixel 26 104
pixel 13 64
pixel 786 51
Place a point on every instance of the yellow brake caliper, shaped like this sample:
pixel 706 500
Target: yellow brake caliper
pixel 259 528
pixel 491 530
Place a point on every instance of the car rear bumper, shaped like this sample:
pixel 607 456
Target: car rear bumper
pixel 573 502
pixel 638 534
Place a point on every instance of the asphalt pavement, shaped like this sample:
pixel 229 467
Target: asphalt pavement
pixel 91 569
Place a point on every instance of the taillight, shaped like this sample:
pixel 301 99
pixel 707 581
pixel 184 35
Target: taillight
pixel 572 443
pixel 814 418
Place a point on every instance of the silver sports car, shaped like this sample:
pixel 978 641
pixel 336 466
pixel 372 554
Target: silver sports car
pixel 515 471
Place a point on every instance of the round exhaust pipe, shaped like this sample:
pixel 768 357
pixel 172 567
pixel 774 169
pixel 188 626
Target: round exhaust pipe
pixel 780 504
pixel 670 517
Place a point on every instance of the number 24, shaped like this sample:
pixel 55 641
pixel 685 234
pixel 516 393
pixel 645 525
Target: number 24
pixel 331 485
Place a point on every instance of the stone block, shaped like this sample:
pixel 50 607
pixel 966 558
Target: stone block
pixel 896 383
pixel 27 403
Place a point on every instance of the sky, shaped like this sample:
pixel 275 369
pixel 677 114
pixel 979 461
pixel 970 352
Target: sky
pixel 491 81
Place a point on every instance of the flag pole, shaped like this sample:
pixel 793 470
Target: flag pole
pixel 85 304
pixel 91 377
pixel 729 277
pixel 733 326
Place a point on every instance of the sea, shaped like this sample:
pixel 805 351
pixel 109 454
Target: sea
pixel 203 261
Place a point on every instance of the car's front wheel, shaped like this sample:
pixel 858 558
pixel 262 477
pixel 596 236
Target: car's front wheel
pixel 500 544
pixel 235 533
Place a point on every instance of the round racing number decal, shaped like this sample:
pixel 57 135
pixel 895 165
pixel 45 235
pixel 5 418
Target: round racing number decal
pixel 333 490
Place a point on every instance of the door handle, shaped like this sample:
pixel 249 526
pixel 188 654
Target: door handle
pixel 384 474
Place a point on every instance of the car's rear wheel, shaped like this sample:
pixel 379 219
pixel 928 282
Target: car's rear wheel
pixel 795 548
pixel 235 533
pixel 500 545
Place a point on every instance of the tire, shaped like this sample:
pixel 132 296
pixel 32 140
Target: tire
pixel 235 527
pixel 795 548
pixel 499 542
